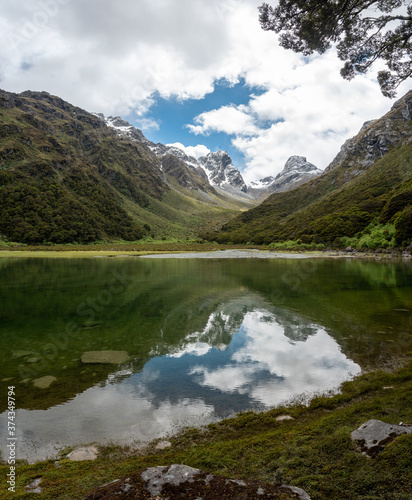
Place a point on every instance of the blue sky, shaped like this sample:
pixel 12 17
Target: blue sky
pixel 172 115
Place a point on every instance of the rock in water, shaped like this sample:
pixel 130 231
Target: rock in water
pixel 373 435
pixel 181 481
pixel 44 382
pixel 105 357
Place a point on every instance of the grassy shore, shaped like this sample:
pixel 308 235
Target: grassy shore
pixel 113 249
pixel 165 247
pixel 313 451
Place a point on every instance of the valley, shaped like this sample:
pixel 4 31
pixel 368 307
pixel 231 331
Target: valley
pixel 72 177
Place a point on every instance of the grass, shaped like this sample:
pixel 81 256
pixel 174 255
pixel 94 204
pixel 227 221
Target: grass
pixel 314 451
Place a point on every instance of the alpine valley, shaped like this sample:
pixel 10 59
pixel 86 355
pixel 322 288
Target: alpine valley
pixel 363 199
pixel 67 175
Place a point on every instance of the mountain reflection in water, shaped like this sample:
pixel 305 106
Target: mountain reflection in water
pixel 271 357
pixel 206 339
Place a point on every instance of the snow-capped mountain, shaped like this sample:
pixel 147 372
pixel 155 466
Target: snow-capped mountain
pixel 123 128
pixel 221 171
pixel 296 171
pixel 218 166
pixel 160 150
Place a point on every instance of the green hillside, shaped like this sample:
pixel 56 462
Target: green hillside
pixel 367 190
pixel 67 177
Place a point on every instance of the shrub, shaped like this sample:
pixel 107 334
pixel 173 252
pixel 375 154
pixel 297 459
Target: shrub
pixel 403 226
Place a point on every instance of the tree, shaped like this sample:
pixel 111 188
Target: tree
pixel 363 31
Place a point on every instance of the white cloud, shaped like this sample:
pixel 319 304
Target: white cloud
pixel 116 57
pixel 195 151
pixel 231 120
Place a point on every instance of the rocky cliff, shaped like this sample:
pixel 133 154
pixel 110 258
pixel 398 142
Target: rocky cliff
pixel 221 171
pixel 375 139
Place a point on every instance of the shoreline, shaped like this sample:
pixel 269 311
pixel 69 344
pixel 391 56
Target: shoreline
pixel 219 253
pixel 307 445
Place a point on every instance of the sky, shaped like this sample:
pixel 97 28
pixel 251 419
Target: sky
pixel 201 74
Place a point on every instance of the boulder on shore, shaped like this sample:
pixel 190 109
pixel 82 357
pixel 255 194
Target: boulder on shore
pixel 374 435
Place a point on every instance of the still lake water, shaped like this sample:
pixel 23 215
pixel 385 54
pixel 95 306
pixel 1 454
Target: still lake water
pixel 206 337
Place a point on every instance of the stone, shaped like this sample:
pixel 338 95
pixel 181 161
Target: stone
pixel 181 481
pixel 34 486
pixel 21 354
pixel 280 418
pixel 105 357
pixel 33 360
pixel 297 492
pixel 162 445
pixel 44 382
pixel 82 454
pixel 373 435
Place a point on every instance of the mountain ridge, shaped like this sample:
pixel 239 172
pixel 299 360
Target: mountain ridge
pixel 219 167
pixel 66 176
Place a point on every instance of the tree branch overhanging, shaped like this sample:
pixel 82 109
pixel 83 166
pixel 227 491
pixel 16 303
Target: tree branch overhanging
pixel 309 26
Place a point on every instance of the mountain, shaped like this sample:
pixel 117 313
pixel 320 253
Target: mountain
pixel 221 171
pixel 218 167
pixel 297 171
pixel 67 175
pixel 367 186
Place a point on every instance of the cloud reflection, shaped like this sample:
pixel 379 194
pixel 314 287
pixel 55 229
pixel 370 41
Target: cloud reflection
pixel 269 357
pixel 295 367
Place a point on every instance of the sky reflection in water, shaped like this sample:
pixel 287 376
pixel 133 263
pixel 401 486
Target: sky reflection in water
pixel 272 357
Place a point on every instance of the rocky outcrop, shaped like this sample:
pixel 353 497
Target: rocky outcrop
pixel 160 150
pixel 376 138
pixel 220 170
pixel 187 176
pixel 374 435
pixel 296 171
pixel 181 481
pixel 123 128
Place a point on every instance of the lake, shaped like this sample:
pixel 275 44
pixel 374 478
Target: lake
pixel 205 339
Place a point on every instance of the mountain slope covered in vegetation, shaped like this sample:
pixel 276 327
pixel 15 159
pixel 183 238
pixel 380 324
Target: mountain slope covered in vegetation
pixel 65 176
pixel 367 186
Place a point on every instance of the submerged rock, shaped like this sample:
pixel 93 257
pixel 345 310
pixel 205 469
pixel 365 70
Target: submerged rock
pixel 44 382
pixel 105 357
pixel 373 435
pixel 21 354
pixel 181 481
